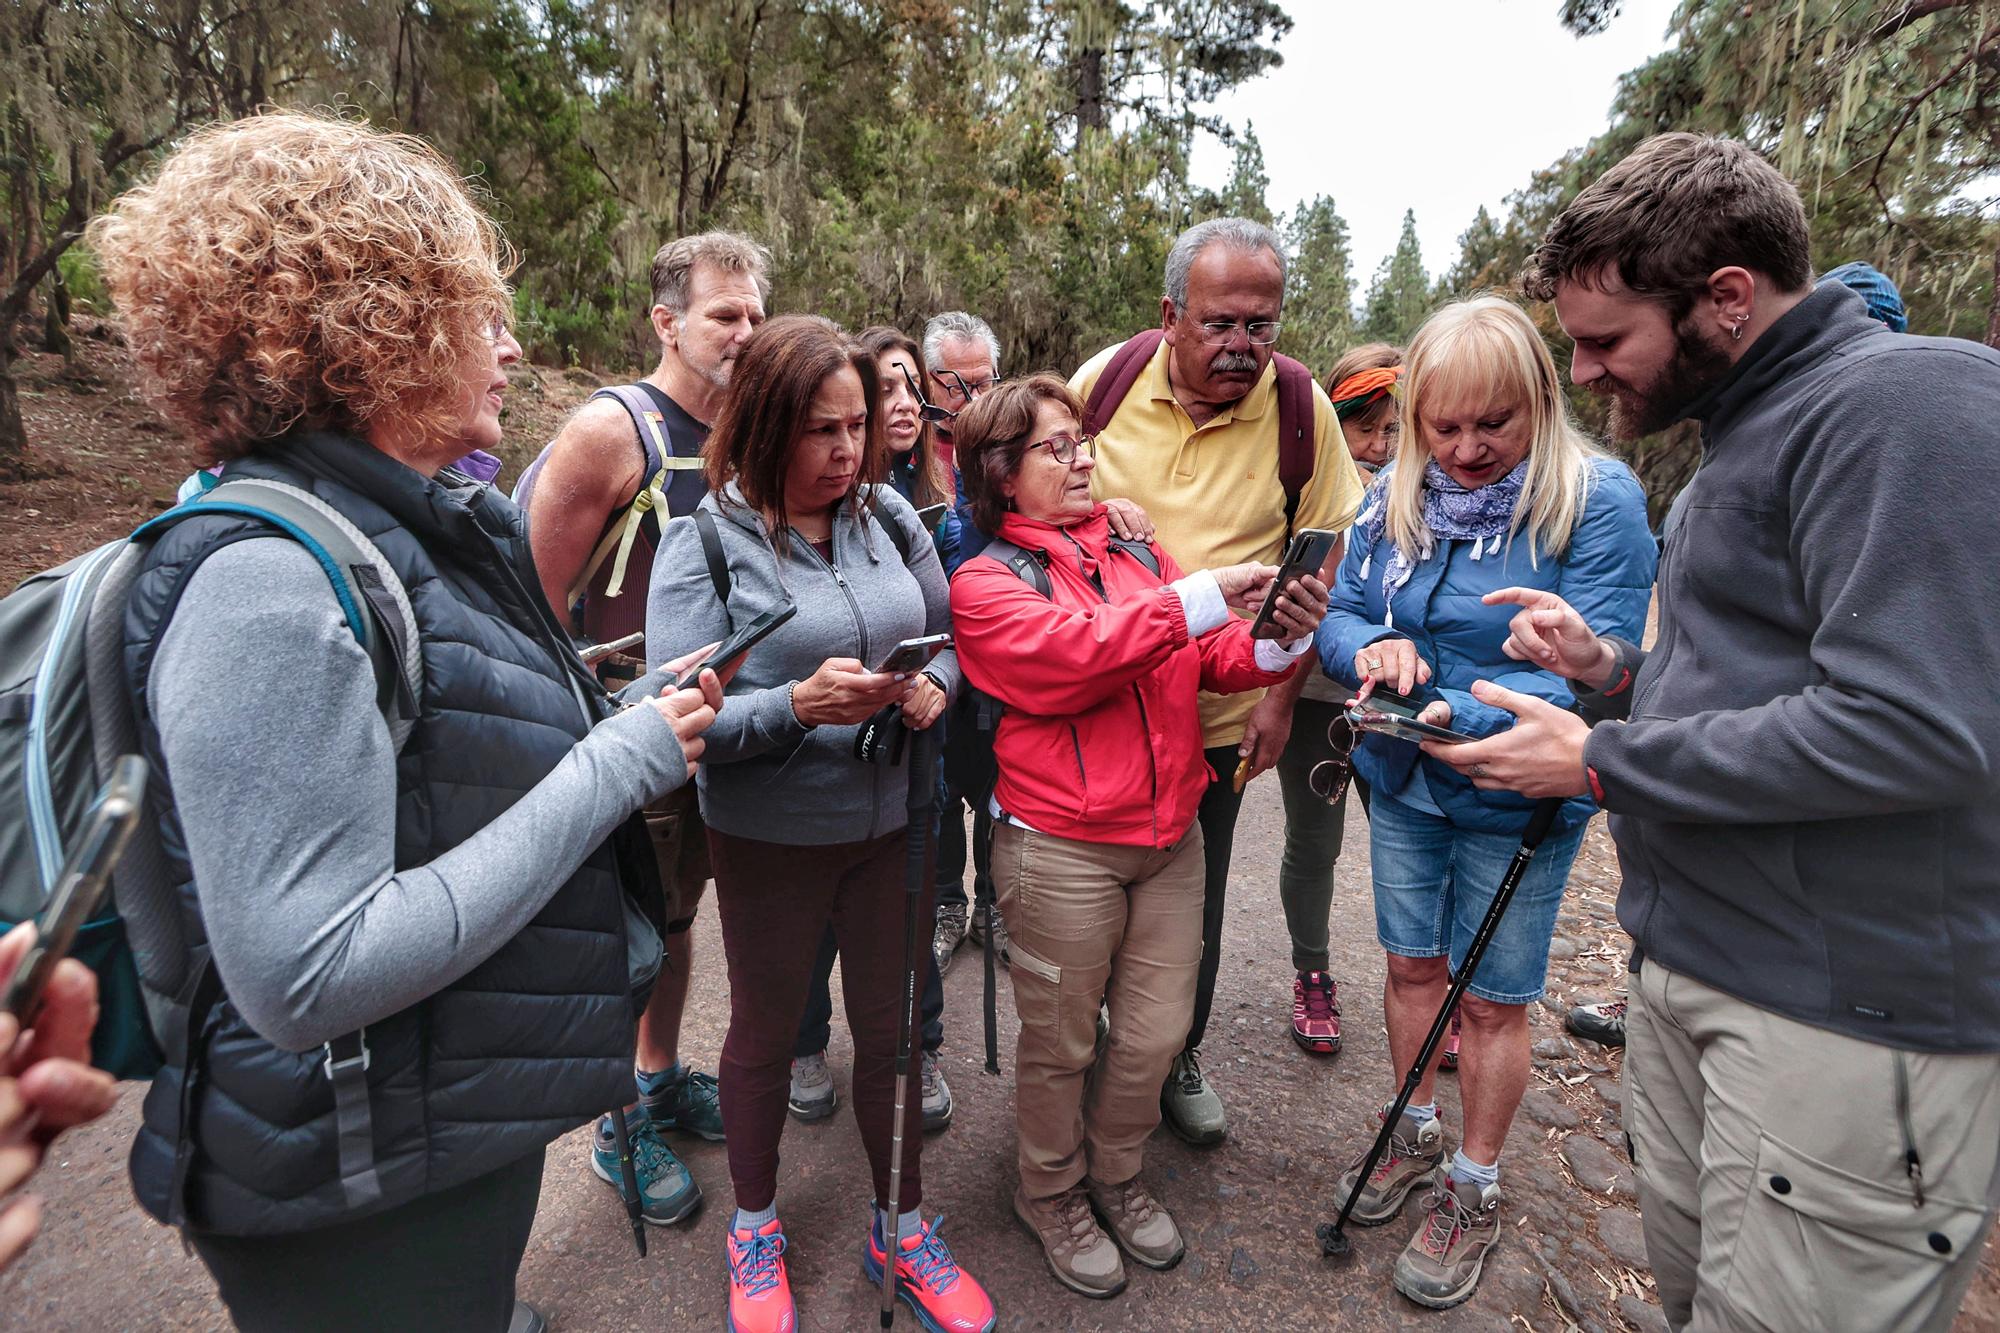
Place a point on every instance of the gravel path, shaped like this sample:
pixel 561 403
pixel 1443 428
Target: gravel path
pixel 1572 1258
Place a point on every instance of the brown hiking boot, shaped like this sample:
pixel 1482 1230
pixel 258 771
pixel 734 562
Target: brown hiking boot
pixel 1080 1255
pixel 1441 1265
pixel 1141 1227
pixel 1415 1150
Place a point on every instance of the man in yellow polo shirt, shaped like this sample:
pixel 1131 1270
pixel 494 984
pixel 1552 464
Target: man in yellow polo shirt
pixel 1194 442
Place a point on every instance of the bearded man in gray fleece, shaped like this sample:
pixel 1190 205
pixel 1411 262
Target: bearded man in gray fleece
pixel 1802 772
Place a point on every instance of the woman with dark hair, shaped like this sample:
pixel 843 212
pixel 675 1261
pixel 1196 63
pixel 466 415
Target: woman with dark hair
pixel 913 467
pixel 442 909
pixel 1097 646
pixel 802 829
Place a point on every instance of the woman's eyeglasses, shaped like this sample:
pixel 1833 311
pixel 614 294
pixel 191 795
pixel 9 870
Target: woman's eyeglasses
pixel 1329 777
pixel 1065 448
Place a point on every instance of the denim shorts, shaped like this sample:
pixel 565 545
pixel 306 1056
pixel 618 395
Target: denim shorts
pixel 1435 880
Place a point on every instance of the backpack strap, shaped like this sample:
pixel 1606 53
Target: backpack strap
pixel 1297 433
pixel 718 563
pixel 879 512
pixel 651 497
pixel 1143 552
pixel 1117 378
pixel 1031 567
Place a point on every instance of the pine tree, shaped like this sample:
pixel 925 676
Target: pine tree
pixel 1400 295
pixel 1244 196
pixel 1319 295
pixel 1479 266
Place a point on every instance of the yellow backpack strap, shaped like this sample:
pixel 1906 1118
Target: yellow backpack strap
pixel 651 496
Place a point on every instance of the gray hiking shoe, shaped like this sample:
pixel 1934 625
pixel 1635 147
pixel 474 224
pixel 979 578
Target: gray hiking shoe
pixel 1078 1252
pixel 1190 1106
pixel 1440 1266
pixel 1136 1221
pixel 667 1193
pixel 949 934
pixel 812 1096
pixel 937 1095
pixel 1415 1150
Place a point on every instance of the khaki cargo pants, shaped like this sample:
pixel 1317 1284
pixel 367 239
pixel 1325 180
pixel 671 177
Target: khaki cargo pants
pixel 1093 923
pixel 1771 1163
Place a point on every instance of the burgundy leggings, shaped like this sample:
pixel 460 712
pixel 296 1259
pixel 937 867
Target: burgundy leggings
pixel 774 902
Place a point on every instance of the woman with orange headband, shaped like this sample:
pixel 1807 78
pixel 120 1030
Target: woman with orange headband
pixel 1362 386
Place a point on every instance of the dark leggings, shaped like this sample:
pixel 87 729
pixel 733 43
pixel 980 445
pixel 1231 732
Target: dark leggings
pixel 774 902
pixel 816 1027
pixel 446 1260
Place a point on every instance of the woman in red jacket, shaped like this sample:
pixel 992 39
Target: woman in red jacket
pixel 1096 648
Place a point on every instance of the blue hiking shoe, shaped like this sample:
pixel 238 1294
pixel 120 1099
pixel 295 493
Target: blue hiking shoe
pixel 684 1099
pixel 667 1192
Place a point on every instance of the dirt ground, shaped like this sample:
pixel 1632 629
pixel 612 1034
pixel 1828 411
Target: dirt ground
pixel 1571 1258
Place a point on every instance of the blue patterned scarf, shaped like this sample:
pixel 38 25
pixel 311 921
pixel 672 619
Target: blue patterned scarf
pixel 1451 513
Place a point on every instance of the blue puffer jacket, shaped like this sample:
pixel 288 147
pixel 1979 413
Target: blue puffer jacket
pixel 1607 575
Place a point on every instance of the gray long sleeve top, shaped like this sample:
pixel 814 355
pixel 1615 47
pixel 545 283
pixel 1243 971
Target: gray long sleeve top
pixel 284 778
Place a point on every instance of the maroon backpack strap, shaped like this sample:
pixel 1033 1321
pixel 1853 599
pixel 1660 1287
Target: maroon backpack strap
pixel 1117 378
pixel 1297 429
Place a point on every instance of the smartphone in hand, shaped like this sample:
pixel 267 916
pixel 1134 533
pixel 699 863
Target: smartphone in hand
pixel 914 654
pixel 1309 549
pixel 733 648
pixel 80 887
pixel 1387 713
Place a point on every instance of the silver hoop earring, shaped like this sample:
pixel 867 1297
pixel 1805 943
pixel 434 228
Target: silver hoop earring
pixel 1736 330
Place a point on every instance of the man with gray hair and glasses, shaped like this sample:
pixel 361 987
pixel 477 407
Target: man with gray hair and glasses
pixel 1231 449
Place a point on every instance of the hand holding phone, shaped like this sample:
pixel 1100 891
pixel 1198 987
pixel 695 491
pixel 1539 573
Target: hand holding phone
pixel 1389 714
pixel 845 693
pixel 731 650
pixel 1304 558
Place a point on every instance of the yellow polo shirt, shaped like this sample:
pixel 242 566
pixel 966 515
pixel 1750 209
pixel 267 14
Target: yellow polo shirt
pixel 1212 491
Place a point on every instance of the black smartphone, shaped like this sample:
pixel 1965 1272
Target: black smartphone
pixel 1309 549
pixel 1387 713
pixel 932 515
pixel 79 889
pixel 914 654
pixel 737 644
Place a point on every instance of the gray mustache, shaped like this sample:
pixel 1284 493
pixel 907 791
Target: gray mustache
pixel 1232 361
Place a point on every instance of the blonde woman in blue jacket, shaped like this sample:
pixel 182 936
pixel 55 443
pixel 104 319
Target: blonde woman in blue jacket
pixel 1495 487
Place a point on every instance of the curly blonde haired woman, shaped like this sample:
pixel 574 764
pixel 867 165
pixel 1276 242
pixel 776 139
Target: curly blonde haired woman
pixel 323 305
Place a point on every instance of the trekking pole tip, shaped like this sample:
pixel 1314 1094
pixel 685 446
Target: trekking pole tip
pixel 1333 1242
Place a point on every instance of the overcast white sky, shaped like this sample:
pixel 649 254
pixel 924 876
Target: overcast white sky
pixel 1436 105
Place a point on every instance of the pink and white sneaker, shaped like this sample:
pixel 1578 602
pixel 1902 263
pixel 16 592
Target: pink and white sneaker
pixel 1316 1013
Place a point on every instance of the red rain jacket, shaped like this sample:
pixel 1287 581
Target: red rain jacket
pixel 1100 740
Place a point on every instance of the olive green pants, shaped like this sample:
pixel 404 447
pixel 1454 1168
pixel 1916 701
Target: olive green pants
pixel 1771 1158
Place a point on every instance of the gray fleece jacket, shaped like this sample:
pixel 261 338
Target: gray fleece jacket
pixel 765 774
pixel 1806 797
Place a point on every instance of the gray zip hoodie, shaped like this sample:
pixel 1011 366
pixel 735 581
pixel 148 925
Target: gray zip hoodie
pixel 765 774
pixel 1806 797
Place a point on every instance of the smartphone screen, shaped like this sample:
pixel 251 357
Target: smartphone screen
pixel 79 889
pixel 1308 551
pixel 932 515
pixel 914 654
pixel 737 644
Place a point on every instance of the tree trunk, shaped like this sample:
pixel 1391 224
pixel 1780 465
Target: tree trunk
pixel 55 326
pixel 1090 114
pixel 1993 307
pixel 13 432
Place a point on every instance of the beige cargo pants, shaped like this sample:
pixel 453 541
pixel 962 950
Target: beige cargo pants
pixel 1772 1160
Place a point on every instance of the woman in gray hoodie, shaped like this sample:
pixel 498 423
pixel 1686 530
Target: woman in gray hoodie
pixel 801 830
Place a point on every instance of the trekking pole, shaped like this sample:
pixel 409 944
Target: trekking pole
pixel 922 808
pixel 1333 1241
pixel 982 893
pixel 628 1174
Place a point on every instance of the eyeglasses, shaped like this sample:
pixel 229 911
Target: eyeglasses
pixel 1329 777
pixel 1065 448
pixel 967 390
pixel 926 409
pixel 496 329
pixel 1261 332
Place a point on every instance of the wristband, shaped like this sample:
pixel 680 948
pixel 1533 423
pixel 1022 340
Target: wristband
pixel 1596 787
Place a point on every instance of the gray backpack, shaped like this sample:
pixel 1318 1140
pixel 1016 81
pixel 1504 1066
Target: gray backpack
pixel 66 717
